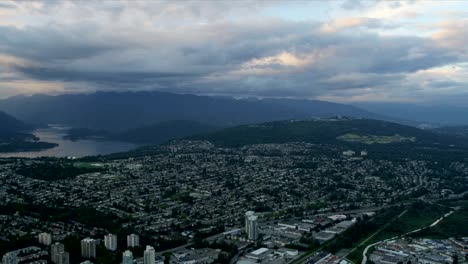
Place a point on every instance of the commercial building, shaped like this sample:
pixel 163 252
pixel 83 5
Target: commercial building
pixel 88 248
pixel 149 255
pixel 10 258
pixel 133 240
pixel 55 250
pixel 63 258
pixel 110 242
pixel 45 238
pixel 251 226
pixel 324 236
pixel 247 215
pixel 187 256
pixel 348 153
pixel 258 255
pixel 127 257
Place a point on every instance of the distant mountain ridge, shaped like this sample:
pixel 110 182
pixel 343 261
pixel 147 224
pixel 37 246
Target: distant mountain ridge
pixel 164 131
pixel 120 111
pixel 152 134
pixel 382 139
pixel 15 136
pixel 436 115
pixel 458 131
pixel 11 125
pixel 323 108
pixel 317 131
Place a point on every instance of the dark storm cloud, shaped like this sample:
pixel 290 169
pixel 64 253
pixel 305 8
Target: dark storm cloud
pixel 380 60
pixel 369 61
pixel 237 43
pixel 375 54
pixel 111 78
pixel 137 45
pixel 50 44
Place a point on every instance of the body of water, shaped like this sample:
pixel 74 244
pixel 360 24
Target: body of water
pixel 68 148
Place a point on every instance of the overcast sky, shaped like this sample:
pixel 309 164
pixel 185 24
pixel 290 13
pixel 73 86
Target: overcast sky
pixel 344 51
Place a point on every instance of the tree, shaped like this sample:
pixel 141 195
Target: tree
pixel 167 257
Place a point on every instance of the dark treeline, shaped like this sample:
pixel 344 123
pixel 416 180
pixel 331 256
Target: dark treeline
pixel 52 171
pixel 228 250
pixel 453 226
pixel 85 215
pixel 363 228
pixel 18 145
pixel 427 146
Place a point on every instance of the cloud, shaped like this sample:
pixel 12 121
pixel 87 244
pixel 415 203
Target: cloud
pixel 241 48
pixel 6 6
pixel 51 44
pixel 14 87
pixel 353 22
pixel 109 78
pixel 11 61
pixel 352 4
pixel 453 34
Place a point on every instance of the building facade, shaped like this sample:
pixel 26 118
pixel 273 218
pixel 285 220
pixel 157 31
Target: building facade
pixel 252 227
pixel 55 250
pixel 247 215
pixel 63 258
pixel 127 257
pixel 10 258
pixel 149 255
pixel 88 248
pixel 133 240
pixel 45 238
pixel 110 242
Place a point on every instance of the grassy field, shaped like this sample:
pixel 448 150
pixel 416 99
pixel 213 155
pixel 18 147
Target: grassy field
pixel 453 226
pixel 365 230
pixel 89 165
pixel 417 216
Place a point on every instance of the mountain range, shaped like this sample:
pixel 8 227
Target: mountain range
pixel 155 117
pixel 383 139
pixel 15 136
pixel 152 134
pixel 325 131
pixel 433 115
pixel 456 131
pixel 10 125
pixel 120 111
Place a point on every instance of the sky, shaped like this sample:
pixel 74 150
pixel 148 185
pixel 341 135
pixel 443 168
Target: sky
pixel 344 51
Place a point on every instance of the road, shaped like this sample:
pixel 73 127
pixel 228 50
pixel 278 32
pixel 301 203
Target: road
pixel 360 210
pixel 211 238
pixel 354 211
pixel 436 222
pixel 376 232
pixel 307 255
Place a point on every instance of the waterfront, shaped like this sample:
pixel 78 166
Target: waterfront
pixel 68 148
